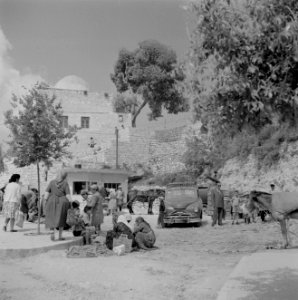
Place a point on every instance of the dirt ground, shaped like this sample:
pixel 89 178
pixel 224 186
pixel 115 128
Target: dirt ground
pixel 190 263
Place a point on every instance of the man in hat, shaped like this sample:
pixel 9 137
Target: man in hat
pixel 216 201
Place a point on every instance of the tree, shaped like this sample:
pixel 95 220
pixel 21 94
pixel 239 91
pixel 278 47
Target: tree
pixel 244 61
pixel 243 67
pixel 151 72
pixel 36 132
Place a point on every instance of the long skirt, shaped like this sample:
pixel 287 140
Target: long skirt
pixel 112 204
pixel 10 209
pixel 56 211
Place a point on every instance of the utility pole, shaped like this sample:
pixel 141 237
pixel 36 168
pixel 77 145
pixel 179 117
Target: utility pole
pixel 117 136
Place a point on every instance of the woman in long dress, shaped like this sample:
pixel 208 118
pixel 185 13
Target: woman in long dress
pixel 58 199
pixel 95 202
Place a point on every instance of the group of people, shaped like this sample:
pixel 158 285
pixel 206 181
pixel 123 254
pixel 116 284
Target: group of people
pixel 62 212
pixel 217 206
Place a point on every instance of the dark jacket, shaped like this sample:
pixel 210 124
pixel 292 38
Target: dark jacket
pixel 216 197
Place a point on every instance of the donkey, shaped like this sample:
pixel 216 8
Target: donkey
pixel 282 206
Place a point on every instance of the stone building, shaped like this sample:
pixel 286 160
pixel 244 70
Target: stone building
pixel 93 114
pixel 94 148
pixel 96 121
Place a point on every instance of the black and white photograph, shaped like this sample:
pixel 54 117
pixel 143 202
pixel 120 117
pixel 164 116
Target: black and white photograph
pixel 149 149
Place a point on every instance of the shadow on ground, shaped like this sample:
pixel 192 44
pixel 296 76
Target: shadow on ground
pixel 271 285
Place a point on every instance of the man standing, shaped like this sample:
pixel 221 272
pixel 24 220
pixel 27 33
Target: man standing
pixel 216 201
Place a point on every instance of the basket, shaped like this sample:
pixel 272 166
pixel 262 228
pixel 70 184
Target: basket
pixel 123 240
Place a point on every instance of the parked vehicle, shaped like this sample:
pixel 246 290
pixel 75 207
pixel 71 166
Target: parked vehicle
pixel 203 194
pixel 183 204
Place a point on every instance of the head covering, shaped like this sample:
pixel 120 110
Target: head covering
pixel 28 194
pixel 139 219
pixel 103 191
pixel 123 219
pixel 128 217
pixel 94 187
pixel 61 175
pixel 84 192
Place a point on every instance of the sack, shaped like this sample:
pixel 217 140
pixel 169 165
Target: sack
pixel 123 240
pixel 20 219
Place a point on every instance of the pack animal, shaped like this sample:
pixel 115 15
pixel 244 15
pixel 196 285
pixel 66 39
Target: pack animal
pixel 282 207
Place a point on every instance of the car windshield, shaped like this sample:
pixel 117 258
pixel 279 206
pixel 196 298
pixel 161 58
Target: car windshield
pixel 181 193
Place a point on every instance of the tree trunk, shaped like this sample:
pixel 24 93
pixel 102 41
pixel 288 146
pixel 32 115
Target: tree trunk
pixel 39 206
pixel 134 117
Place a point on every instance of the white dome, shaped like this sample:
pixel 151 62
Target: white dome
pixel 72 82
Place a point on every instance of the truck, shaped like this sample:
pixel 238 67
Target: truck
pixel 183 204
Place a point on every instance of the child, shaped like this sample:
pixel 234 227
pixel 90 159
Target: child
pixel 86 215
pixel 235 207
pixel 162 208
pixel 75 220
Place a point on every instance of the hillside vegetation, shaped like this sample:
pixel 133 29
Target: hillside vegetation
pixel 242 72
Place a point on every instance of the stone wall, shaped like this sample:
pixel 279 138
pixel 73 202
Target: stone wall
pixel 166 150
pixel 159 151
pixel 246 176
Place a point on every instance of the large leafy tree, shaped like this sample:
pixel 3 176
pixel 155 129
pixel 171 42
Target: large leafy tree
pixel 151 72
pixel 244 63
pixel 36 132
pixel 242 72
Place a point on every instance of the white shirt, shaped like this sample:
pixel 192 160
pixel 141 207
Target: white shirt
pixel 12 192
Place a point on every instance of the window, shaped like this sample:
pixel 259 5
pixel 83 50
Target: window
pixel 85 122
pixel 78 166
pixel 64 121
pixel 78 186
pixel 112 185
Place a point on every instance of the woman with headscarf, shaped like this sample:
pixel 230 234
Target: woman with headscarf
pixel 11 203
pixel 144 235
pixel 121 227
pixel 58 199
pixel 96 200
pixel 28 203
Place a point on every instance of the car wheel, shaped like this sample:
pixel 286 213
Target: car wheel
pixel 197 224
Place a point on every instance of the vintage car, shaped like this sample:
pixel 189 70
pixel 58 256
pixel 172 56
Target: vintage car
pixel 183 204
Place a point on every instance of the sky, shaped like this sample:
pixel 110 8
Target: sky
pixel 50 39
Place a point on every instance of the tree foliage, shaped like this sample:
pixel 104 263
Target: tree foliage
pixel 151 72
pixel 243 73
pixel 126 103
pixel 35 129
pixel 244 58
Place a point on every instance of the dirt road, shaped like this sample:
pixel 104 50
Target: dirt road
pixel 190 263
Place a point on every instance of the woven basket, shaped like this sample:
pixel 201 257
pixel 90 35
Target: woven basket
pixel 123 240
